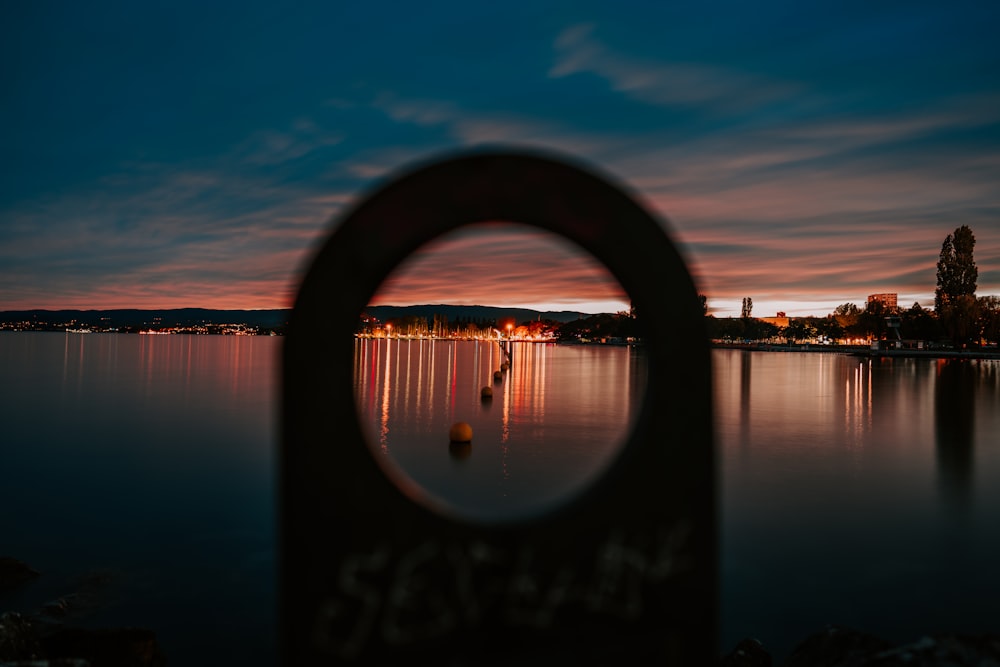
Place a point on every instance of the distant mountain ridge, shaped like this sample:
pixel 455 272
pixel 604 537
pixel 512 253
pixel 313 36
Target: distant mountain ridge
pixel 275 317
pixel 138 317
pixel 473 312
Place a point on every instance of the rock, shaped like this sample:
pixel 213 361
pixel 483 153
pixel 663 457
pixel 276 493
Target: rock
pixel 951 650
pixel 59 607
pixel 748 653
pixel 106 647
pixel 18 638
pixel 842 647
pixel 13 573
pixel 92 592
pixel 835 646
pixel 24 643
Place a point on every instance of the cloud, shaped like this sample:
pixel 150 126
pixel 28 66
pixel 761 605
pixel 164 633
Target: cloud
pixel 165 235
pixel 269 147
pixel 823 208
pixel 795 194
pixel 469 127
pixel 503 265
pixel 664 83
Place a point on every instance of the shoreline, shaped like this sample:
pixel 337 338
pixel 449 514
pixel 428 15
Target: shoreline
pixel 861 351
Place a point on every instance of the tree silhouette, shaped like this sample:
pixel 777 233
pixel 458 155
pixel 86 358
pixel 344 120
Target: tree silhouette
pixel 955 296
pixel 747 307
pixel 799 329
pixel 871 320
pixel 919 324
pixel 989 317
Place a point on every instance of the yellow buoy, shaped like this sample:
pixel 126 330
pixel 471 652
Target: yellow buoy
pixel 460 432
pixel 497 376
pixel 504 366
pixel 486 393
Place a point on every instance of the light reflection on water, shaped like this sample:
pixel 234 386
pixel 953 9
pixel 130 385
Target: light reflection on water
pixel 149 459
pixel 852 492
pixel 557 417
pixel 857 492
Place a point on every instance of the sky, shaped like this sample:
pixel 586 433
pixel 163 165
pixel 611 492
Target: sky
pixel 162 155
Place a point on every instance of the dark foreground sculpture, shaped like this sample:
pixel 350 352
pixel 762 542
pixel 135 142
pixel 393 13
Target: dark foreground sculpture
pixel 623 574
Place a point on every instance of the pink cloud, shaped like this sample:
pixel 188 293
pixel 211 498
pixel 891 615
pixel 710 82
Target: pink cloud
pixel 503 265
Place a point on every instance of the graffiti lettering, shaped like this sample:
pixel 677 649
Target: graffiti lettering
pixel 434 589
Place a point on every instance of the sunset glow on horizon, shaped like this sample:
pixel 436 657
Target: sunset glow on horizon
pixel 505 265
pixel 802 156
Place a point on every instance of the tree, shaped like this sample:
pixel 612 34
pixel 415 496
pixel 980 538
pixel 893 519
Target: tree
pixel 747 307
pixel 956 268
pixel 627 324
pixel 846 310
pixel 871 320
pixel 989 318
pixel 799 329
pixel 829 327
pixel 846 314
pixel 955 296
pixel 754 329
pixel 918 323
pixel 723 328
pixel 602 325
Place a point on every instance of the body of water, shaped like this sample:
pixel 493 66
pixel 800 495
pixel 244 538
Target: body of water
pixel 141 470
pixel 554 421
pixel 857 492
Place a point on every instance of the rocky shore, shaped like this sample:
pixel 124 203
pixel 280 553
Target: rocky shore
pixel 843 647
pixel 45 638
pixel 42 638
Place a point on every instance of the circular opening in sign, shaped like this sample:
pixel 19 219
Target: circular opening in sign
pixel 498 371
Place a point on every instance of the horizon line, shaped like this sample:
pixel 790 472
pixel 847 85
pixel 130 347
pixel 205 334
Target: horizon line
pixel 418 305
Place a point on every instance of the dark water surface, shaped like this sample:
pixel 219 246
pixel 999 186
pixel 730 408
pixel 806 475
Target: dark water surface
pixel 852 492
pixel 151 461
pixel 555 421
pixel 856 492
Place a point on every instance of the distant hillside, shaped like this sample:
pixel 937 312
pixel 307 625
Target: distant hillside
pixel 136 317
pixel 384 313
pixel 133 317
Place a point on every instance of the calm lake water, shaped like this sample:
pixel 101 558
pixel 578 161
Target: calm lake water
pixel 557 418
pixel 852 492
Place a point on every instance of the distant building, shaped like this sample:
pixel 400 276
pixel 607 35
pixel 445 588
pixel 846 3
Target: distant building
pixel 887 300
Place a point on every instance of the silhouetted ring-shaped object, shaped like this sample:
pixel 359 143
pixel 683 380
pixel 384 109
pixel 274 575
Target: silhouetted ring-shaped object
pixel 340 509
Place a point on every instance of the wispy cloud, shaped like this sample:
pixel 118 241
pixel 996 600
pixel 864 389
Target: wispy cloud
pixel 579 51
pixel 798 190
pixel 503 265
pixel 821 210
pixel 302 137
pixel 469 127
pixel 167 237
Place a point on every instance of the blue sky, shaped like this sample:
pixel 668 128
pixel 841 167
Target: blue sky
pixel 804 154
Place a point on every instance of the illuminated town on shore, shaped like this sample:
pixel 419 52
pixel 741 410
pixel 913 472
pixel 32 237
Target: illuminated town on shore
pixel 880 323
